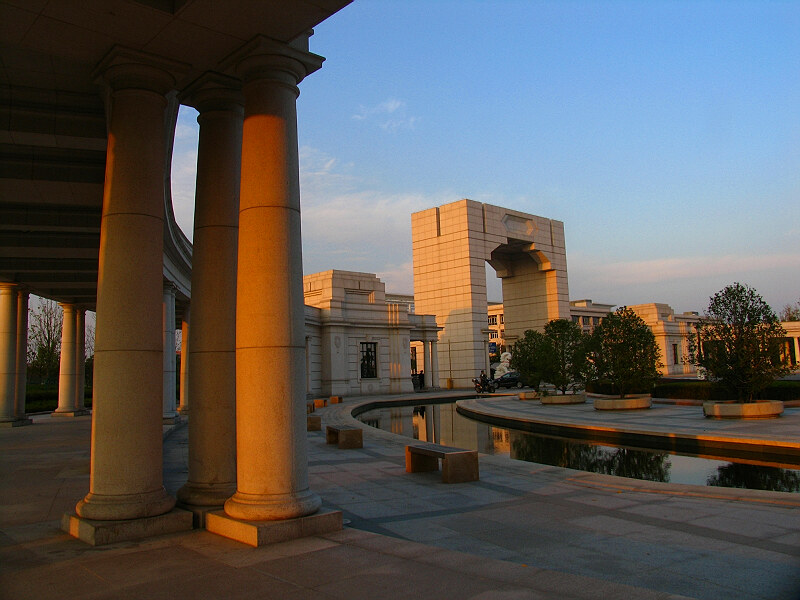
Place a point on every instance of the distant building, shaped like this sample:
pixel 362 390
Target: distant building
pixel 671 331
pixel 791 343
pixel 358 341
pixel 588 314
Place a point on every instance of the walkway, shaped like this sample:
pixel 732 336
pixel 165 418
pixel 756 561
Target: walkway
pixel 523 531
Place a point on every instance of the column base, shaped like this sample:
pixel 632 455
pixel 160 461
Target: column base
pixel 100 533
pixel 200 498
pixel 17 422
pixel 272 507
pixel 71 413
pixel 172 419
pixel 123 507
pixel 260 533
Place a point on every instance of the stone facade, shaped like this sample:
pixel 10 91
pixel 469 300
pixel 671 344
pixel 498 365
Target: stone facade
pixel 451 244
pixel 357 342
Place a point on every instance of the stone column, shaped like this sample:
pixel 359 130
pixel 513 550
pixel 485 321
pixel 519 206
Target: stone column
pixel 183 406
pixel 8 352
pixel 271 442
pixel 426 362
pixel 170 413
pixel 126 467
pixel 80 358
pixel 66 372
pixel 22 355
pixel 434 378
pixel 797 350
pixel 212 350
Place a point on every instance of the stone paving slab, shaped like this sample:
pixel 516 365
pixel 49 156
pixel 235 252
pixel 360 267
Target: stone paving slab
pixel 522 531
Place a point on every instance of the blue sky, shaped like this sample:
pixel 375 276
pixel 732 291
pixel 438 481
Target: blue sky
pixel 666 136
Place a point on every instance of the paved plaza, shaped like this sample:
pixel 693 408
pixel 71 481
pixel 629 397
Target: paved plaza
pixel 524 530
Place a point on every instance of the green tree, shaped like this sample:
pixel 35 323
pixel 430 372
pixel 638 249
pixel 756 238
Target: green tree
pixel 531 356
pixel 568 366
pixel 625 351
pixel 739 342
pixel 44 340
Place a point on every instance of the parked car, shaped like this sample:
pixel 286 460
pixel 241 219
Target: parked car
pixel 510 379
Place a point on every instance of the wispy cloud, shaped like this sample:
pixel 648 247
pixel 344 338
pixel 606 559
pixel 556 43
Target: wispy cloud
pixel 672 269
pixel 390 115
pixel 348 226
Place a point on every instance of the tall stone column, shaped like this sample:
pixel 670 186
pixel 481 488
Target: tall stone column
pixel 272 467
pixel 80 357
pixel 22 355
pixel 183 405
pixel 434 378
pixel 126 468
pixel 66 374
pixel 212 350
pixel 426 362
pixel 8 352
pixel 170 409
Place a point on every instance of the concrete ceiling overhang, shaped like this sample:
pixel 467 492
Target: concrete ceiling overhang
pixel 53 134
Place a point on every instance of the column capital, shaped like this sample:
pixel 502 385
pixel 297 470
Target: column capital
pixel 265 58
pixel 170 288
pixel 124 68
pixel 214 91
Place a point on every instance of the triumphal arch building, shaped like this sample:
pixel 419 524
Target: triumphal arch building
pixel 451 244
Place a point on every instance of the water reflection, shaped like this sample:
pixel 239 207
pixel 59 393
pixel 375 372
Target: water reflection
pixel 755 477
pixel 624 462
pixel 441 424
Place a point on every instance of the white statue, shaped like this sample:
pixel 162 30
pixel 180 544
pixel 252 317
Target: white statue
pixel 505 365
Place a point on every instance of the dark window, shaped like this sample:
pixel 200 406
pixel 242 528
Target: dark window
pixel 675 354
pixel 369 369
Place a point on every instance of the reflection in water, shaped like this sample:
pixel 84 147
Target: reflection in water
pixel 756 477
pixel 624 462
pixel 441 424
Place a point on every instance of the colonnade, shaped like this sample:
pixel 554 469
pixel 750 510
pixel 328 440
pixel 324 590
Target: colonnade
pixel 430 361
pixel 247 441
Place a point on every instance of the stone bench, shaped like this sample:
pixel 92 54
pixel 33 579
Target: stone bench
pixel 313 423
pixel 345 437
pixel 335 399
pixel 320 402
pixel 458 465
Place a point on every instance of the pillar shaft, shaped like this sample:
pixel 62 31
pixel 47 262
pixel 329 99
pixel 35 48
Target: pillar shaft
pixel 80 357
pixel 22 353
pixel 170 380
pixel 126 466
pixel 272 470
pixel 434 378
pixel 426 361
pixel 212 350
pixel 8 351
pixel 66 373
pixel 183 406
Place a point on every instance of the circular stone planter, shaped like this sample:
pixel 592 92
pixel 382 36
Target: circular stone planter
pixel 765 409
pixel 564 399
pixel 633 402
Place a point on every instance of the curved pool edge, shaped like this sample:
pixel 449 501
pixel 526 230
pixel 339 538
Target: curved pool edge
pixel 341 414
pixel 708 445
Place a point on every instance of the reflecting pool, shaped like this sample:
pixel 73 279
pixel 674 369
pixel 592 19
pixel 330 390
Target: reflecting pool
pixel 441 424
